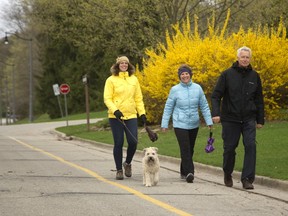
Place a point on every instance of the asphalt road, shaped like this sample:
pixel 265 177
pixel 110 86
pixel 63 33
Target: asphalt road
pixel 44 174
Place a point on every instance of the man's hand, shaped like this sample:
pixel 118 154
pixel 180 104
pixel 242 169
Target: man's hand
pixel 216 119
pixel 258 126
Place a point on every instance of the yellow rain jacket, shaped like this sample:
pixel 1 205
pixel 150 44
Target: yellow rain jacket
pixel 123 93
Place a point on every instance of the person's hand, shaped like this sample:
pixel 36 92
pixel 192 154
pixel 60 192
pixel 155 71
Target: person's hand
pixel 118 114
pixel 164 129
pixel 259 126
pixel 144 119
pixel 216 119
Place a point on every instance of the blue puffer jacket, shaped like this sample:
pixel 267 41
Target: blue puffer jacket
pixel 184 101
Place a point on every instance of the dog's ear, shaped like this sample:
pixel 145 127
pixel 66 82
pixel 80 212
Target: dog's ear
pixel 155 149
pixel 144 150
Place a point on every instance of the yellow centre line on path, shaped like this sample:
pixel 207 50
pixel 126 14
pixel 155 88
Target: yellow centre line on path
pixel 97 176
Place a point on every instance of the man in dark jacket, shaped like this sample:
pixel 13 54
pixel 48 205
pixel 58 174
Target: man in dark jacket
pixel 237 101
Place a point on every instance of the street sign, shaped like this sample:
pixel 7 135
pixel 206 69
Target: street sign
pixel 56 89
pixel 64 88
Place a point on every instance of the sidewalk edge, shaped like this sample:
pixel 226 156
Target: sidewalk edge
pixel 261 180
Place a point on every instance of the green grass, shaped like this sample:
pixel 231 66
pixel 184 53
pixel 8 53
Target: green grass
pixel 45 117
pixel 272 148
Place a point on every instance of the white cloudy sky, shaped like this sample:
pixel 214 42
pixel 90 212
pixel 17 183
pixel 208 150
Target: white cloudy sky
pixel 4 4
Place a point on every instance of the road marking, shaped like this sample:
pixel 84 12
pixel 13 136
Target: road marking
pixel 99 177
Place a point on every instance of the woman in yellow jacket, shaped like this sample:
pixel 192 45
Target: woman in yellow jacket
pixel 124 100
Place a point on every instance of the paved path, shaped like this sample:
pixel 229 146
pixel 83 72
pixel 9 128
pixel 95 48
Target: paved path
pixel 42 173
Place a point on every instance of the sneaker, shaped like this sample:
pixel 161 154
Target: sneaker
pixel 190 178
pixel 182 176
pixel 247 184
pixel 228 181
pixel 128 170
pixel 119 175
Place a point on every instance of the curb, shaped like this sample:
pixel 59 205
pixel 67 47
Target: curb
pixel 261 180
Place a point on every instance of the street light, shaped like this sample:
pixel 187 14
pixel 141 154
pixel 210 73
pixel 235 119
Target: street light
pixel 30 71
pixel 13 90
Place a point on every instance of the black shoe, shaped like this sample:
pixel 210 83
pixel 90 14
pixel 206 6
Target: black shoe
pixel 190 178
pixel 247 184
pixel 228 181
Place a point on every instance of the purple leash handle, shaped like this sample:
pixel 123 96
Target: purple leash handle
pixel 209 147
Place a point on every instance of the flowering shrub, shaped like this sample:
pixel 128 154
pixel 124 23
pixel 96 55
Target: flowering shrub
pixel 209 56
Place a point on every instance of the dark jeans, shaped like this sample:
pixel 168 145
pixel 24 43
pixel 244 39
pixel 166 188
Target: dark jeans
pixel 118 130
pixel 231 133
pixel 186 140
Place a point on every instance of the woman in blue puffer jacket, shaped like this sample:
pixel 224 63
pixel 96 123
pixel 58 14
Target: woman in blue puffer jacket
pixel 183 104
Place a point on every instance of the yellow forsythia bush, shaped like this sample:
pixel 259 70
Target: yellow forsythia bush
pixel 209 56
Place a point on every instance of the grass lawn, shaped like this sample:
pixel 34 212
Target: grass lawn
pixel 272 147
pixel 45 117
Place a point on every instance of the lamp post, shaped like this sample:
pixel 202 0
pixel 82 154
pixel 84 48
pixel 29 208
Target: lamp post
pixel 1 111
pixel 30 71
pixel 13 90
pixel 5 96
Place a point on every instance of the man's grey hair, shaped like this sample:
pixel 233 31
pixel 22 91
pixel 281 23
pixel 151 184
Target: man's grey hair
pixel 244 48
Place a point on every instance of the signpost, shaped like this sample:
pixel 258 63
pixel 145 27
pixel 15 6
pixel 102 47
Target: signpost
pixel 85 82
pixel 57 93
pixel 65 89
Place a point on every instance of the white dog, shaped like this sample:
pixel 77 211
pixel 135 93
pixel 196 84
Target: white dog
pixel 151 166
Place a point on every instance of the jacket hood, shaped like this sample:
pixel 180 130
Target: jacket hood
pixel 115 69
pixel 236 66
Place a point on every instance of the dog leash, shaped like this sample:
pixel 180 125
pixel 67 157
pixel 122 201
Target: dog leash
pixel 123 123
pixel 152 135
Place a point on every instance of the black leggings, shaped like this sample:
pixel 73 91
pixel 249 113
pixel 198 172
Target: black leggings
pixel 186 140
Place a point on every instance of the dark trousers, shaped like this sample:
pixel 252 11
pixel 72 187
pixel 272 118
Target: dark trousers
pixel 231 133
pixel 131 133
pixel 186 140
